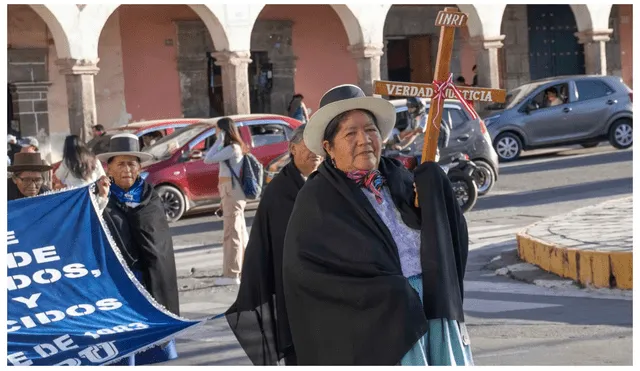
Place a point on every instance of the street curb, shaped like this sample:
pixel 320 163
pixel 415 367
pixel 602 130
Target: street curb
pixel 590 268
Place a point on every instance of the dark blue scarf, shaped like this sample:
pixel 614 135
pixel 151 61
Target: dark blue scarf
pixel 133 196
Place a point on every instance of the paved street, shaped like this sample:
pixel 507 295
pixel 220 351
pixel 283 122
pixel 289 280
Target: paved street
pixel 511 323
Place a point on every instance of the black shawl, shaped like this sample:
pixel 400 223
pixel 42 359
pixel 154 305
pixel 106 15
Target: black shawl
pixel 143 236
pixel 347 300
pixel 258 318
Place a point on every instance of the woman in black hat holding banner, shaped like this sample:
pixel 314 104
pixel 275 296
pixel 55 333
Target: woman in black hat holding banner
pixel 135 216
pixel 369 279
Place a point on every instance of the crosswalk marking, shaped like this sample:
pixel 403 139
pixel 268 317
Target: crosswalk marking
pixel 481 235
pixel 490 234
pixel 485 227
pixel 500 306
pixel 210 256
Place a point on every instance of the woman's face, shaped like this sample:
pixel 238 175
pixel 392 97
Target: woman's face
pixel 357 144
pixel 124 170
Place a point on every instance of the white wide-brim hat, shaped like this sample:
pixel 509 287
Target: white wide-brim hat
pixel 341 99
pixel 124 144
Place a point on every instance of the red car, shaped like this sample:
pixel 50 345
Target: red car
pixel 185 182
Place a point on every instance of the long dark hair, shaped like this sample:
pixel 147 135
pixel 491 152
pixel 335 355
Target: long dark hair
pixel 78 158
pixel 231 133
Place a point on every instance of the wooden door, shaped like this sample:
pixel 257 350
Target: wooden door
pixel 420 59
pixel 553 48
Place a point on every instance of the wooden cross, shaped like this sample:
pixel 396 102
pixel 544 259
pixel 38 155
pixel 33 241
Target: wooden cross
pixel 442 88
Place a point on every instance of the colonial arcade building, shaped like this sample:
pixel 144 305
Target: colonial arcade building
pixel 72 66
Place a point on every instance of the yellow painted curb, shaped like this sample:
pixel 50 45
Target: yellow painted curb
pixel 589 267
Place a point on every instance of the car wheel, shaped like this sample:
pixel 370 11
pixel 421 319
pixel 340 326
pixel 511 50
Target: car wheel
pixel 508 147
pixel 590 145
pixel 173 201
pixel 621 134
pixel 484 176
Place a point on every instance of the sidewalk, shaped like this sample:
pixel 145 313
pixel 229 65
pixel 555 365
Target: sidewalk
pixel 592 245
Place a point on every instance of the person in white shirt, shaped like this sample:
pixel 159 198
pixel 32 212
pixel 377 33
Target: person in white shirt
pixel 79 166
pixel 229 150
pixel 552 98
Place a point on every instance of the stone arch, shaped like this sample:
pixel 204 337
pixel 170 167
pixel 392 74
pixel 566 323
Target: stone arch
pixel 413 32
pixel 349 21
pixel 582 15
pixel 285 39
pixel 98 14
pixel 52 19
pixel 474 24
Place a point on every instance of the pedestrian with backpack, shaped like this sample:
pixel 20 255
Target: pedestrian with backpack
pixel 230 151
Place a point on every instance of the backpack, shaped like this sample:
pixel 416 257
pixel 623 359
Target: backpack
pixel 251 176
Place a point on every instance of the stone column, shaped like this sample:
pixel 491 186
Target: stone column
pixel 384 66
pixel 235 81
pixel 81 97
pixel 283 83
pixel 595 50
pixel 487 62
pixel 367 57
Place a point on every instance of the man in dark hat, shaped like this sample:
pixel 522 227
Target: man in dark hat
pixel 135 216
pixel 27 179
pixel 259 315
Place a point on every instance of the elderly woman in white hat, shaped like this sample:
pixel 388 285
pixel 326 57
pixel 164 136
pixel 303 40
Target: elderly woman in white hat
pixel 135 216
pixel 369 279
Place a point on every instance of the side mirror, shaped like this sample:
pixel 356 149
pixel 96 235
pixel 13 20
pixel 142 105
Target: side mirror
pixel 196 155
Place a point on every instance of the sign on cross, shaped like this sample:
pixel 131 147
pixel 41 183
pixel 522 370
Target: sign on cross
pixel 443 87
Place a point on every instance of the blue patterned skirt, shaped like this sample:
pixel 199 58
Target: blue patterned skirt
pixel 443 343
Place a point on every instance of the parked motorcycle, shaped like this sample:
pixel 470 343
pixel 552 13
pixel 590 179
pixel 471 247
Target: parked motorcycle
pixel 459 169
pixel 461 173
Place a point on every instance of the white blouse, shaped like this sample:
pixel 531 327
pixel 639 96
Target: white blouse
pixel 70 180
pixel 407 239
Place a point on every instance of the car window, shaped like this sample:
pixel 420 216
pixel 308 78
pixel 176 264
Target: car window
pixel 151 137
pixel 265 134
pixel 519 94
pixel 168 145
pixel 592 89
pixel 401 115
pixel 552 96
pixel 204 141
pixel 455 117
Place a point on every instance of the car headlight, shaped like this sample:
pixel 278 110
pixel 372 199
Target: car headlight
pixel 144 175
pixel 491 120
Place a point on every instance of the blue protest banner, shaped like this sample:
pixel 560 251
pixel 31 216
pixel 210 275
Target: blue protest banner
pixel 71 298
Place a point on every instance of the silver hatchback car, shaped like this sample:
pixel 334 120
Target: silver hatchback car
pixel 467 136
pixel 561 111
